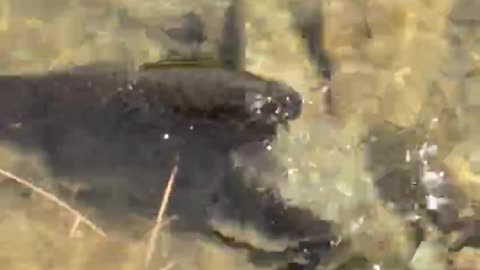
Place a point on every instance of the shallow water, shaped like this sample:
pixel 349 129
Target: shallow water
pixel 404 78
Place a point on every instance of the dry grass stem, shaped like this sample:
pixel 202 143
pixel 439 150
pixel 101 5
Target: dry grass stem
pixel 159 221
pixel 53 198
pixel 75 226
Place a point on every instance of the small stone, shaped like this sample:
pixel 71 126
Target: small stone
pixel 428 256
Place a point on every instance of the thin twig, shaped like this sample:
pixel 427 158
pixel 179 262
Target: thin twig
pixel 75 226
pixel 54 199
pixel 161 212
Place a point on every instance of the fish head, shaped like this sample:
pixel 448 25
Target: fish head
pixel 277 103
pixel 285 103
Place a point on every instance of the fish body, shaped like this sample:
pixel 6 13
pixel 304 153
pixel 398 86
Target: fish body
pixel 237 99
pixel 219 93
pixel 83 118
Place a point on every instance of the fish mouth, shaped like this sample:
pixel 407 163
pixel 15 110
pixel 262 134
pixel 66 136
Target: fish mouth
pixel 277 107
pixel 287 102
pixel 274 115
pixel 292 107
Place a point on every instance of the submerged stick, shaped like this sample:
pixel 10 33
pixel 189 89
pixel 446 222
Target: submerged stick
pixel 161 212
pixel 56 200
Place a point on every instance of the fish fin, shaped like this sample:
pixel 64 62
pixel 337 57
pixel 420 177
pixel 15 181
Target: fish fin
pixel 183 62
pixel 233 42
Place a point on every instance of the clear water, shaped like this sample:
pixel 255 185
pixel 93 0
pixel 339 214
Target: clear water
pixel 410 64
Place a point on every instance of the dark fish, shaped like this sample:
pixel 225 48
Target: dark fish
pixel 190 87
pixel 218 93
pixel 106 98
pixel 198 92
pixel 232 47
pixel 309 22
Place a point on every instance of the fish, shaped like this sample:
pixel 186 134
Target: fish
pixel 231 92
pixel 191 88
pixel 71 112
pixel 111 96
pixel 219 94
